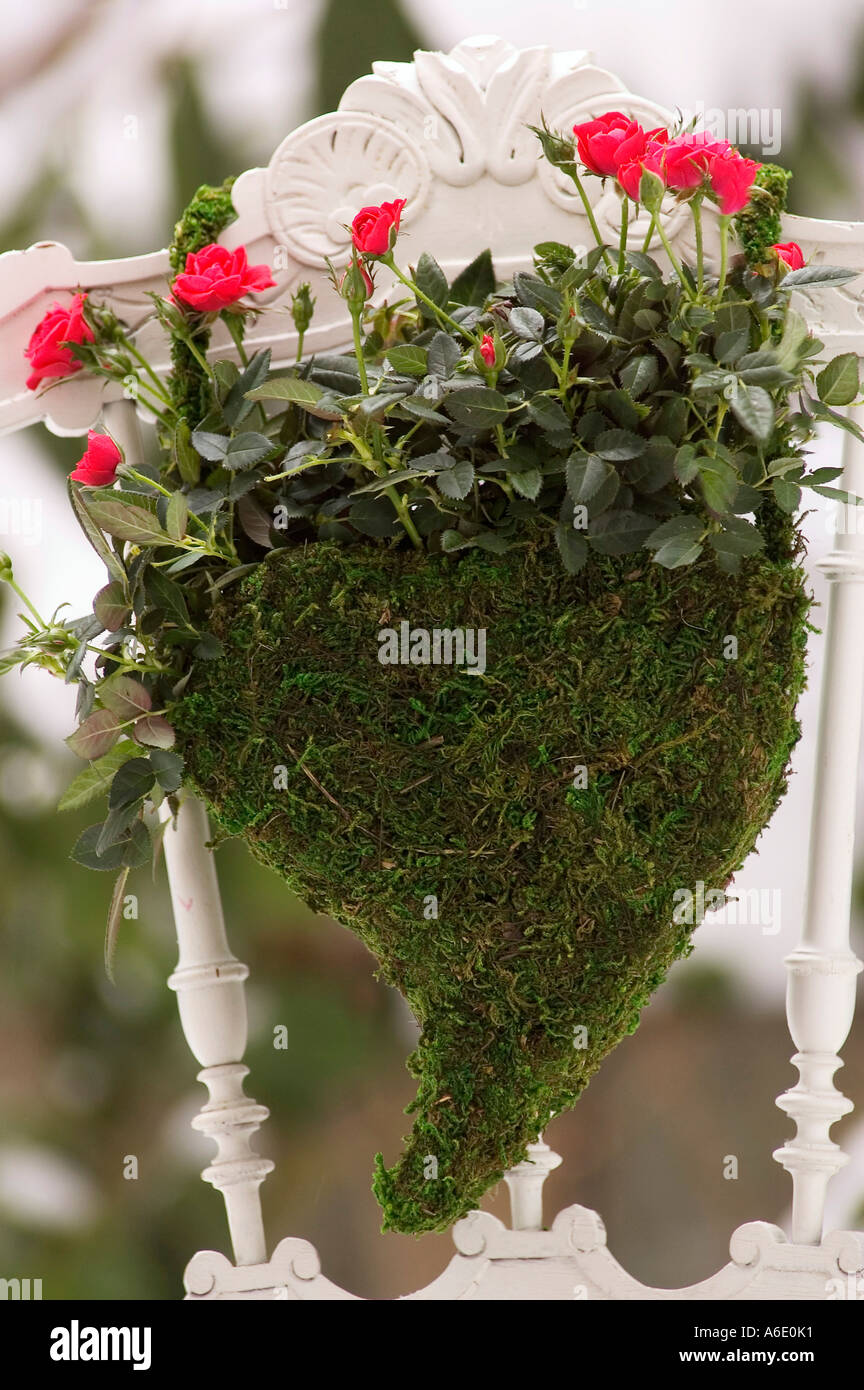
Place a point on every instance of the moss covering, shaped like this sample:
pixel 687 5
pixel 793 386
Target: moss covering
pixel 555 901
pixel 760 225
pixel 207 215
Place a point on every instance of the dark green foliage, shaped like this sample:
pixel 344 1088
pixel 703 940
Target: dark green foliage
pixel 759 226
pixel 659 408
pixel 208 213
pixel 555 901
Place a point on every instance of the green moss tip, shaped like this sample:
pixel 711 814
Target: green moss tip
pixel 760 225
pixel 206 216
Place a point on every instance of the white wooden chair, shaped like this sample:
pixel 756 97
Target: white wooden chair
pixel 448 133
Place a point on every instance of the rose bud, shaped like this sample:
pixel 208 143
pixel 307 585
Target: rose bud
pixel 98 465
pixel 374 229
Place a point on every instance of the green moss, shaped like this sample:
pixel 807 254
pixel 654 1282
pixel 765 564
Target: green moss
pixel 207 215
pixel 555 902
pixel 760 225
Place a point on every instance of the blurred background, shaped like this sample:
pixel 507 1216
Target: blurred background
pixel 113 112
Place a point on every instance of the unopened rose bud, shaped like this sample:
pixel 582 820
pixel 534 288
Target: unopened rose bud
pixel 568 325
pixel 302 307
pixel 789 254
pixel 651 190
pixel 5 566
pixel 557 148
pixel 490 353
pixel 356 284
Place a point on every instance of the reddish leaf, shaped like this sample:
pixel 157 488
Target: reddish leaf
pixel 96 735
pixel 154 732
pixel 110 606
pixel 125 696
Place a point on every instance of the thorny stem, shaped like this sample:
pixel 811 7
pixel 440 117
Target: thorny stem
pixel 400 506
pixel 356 310
pixel 10 580
pixel 724 254
pixel 589 211
pixel 151 402
pixel 564 369
pixel 166 492
pixel 650 232
pixel 696 205
pixel 139 357
pixel 676 264
pixel 622 240
pixel 436 309
pixel 199 357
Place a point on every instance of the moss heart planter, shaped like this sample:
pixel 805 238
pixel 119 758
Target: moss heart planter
pixel 410 784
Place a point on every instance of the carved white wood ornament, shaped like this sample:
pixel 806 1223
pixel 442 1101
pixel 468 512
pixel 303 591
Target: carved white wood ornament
pixel 448 132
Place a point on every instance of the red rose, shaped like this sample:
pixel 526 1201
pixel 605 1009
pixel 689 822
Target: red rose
pixel 731 177
pixel 98 465
pixel 215 278
pixel 487 349
pixel 651 156
pixel 790 253
pixel 374 229
pixel 687 158
pixel 46 351
pixel 608 141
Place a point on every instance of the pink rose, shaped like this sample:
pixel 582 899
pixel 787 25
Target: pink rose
pixel 98 465
pixel 47 351
pixel 374 229
pixel 606 142
pixel 215 278
pixel 487 349
pixel 790 253
pixel 731 178
pixel 687 158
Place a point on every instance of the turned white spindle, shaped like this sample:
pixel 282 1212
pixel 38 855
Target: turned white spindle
pixel 820 997
pixel 121 421
pixel 525 1182
pixel 209 982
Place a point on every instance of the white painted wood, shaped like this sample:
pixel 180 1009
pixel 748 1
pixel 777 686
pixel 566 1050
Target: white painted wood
pixel 121 422
pixel 569 1262
pixel 820 999
pixel 209 982
pixel 448 133
pixel 525 1184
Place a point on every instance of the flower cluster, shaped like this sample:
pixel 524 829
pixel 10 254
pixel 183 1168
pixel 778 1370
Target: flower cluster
pixel 614 146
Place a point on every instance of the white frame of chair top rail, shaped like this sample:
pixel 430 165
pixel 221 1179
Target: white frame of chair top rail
pixel 448 133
